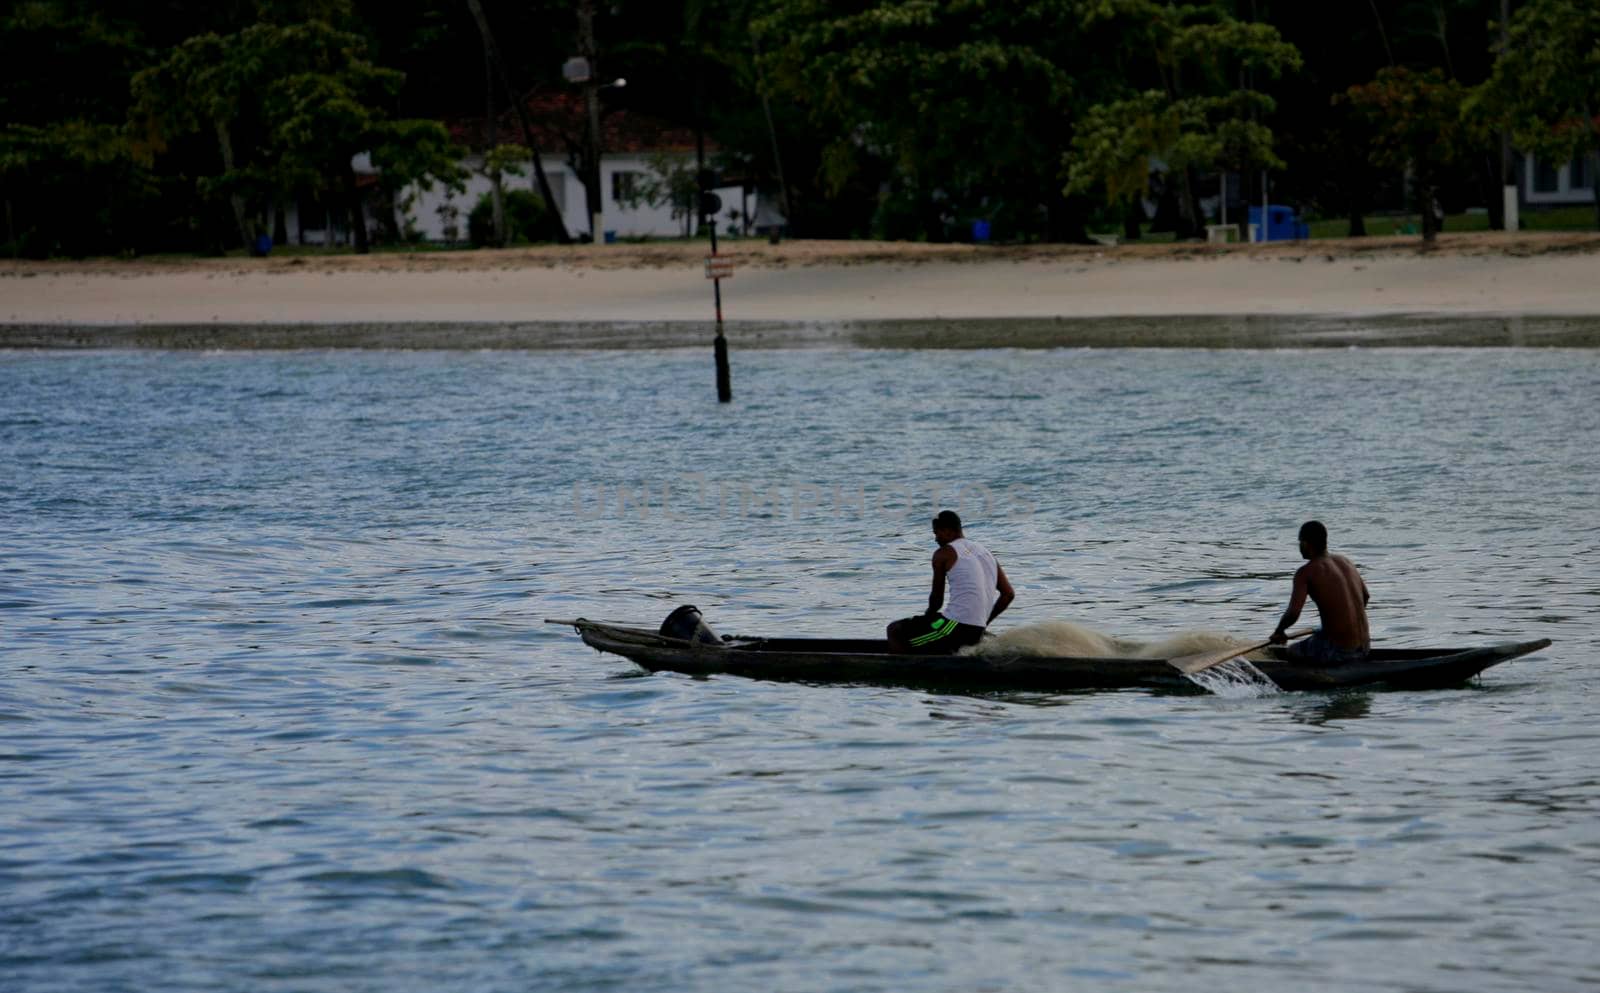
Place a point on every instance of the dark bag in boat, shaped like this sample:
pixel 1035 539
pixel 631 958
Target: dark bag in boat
pixel 685 624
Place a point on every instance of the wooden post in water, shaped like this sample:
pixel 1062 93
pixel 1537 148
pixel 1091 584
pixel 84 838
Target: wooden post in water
pixel 707 205
pixel 720 345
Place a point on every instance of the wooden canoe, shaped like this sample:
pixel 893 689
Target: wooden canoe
pixel 830 660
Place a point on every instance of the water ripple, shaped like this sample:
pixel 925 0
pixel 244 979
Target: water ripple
pixel 278 711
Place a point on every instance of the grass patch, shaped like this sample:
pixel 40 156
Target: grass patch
pixel 1572 218
pixel 1569 218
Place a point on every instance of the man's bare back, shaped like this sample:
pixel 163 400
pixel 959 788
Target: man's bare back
pixel 1341 597
pixel 1334 585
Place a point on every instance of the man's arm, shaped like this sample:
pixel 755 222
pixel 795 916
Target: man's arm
pixel 1007 594
pixel 1297 601
pixel 943 560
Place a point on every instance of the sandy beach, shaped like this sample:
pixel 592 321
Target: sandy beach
pixel 563 297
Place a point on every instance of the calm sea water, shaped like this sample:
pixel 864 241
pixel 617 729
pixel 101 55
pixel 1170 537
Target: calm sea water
pixel 278 711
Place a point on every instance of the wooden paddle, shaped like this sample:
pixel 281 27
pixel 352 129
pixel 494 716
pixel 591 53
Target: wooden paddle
pixel 1191 664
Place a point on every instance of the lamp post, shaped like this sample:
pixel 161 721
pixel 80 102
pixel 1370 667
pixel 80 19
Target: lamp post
pixel 579 70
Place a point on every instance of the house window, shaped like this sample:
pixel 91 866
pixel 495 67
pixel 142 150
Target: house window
pixel 1545 178
pixel 1578 173
pixel 626 186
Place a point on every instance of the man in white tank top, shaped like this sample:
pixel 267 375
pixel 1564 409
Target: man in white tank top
pixel 978 592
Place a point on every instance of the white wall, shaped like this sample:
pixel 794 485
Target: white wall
pixel 628 222
pixel 420 208
pixel 633 222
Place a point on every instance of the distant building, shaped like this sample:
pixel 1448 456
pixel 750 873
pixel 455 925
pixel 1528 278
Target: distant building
pixel 632 147
pixel 1546 183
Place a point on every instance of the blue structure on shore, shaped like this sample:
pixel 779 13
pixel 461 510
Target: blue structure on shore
pixel 1282 224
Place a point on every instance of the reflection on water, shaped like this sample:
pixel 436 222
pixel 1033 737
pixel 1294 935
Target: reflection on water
pixel 277 711
pixel 1333 707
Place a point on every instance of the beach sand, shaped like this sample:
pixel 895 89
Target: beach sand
pixel 1470 288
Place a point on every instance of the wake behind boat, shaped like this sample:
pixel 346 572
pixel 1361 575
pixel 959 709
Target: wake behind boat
pixel 697 651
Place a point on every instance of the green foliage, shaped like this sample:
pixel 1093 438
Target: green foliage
pixel 967 101
pixel 1545 87
pixel 505 160
pixel 901 116
pixel 67 178
pixel 1547 219
pixel 525 215
pixel 1546 82
pixel 82 188
pixel 289 106
pixel 1006 107
pixel 899 217
pixel 1199 119
pixel 1416 123
pixel 37 38
pixel 411 152
pixel 1415 118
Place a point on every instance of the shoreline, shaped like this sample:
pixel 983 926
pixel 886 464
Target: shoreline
pixel 1360 290
pixel 1225 331
pixel 756 252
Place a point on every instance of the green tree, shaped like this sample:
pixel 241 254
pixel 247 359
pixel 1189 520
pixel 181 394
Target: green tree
pixel 1344 43
pixel 524 220
pixel 1200 118
pixel 1416 123
pixel 68 180
pixel 1545 87
pixel 960 108
pixel 90 185
pixel 333 109
pixel 206 86
pixel 289 107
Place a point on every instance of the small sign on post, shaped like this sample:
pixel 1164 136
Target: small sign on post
pixel 719 267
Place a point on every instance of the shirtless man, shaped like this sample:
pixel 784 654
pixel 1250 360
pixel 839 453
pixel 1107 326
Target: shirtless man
pixel 979 591
pixel 1341 597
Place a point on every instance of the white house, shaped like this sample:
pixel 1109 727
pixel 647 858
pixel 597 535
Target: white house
pixel 1568 183
pixel 440 215
pixel 632 146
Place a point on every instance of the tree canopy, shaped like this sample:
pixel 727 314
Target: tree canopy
pixel 129 127
pixel 290 107
pixel 1199 118
pixel 961 108
pixel 1545 87
pixel 1416 122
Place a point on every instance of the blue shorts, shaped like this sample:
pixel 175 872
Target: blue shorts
pixel 1318 648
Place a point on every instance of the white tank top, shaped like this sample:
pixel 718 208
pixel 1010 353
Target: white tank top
pixel 971 592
